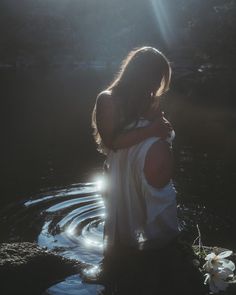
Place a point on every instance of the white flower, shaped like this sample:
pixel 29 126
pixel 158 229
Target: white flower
pixel 218 270
pixel 214 262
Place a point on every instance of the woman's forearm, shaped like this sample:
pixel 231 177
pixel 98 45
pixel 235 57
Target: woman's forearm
pixel 159 127
pixel 131 137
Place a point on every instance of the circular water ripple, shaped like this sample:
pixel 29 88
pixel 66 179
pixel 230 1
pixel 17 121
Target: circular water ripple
pixel 73 222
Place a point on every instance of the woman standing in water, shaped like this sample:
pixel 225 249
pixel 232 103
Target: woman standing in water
pixel 129 127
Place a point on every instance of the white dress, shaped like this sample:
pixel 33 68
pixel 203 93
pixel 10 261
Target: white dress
pixel 137 214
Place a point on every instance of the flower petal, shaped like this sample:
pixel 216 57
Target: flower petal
pixel 210 256
pixel 216 264
pixel 224 273
pixel 208 266
pixel 225 254
pixel 207 275
pixel 226 263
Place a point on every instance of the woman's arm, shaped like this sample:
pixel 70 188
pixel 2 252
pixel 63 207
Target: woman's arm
pixel 107 122
pixel 128 138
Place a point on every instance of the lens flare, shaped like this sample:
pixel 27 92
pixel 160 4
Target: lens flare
pixel 100 183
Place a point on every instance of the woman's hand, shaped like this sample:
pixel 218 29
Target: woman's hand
pixel 161 127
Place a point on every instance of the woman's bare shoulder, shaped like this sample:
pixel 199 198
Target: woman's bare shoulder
pixel 105 117
pixel 105 101
pixel 105 95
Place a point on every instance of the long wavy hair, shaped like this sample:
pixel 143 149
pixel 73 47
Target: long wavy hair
pixel 143 77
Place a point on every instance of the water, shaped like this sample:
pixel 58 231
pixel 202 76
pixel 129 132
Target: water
pixel 70 221
pixel 73 285
pixel 73 221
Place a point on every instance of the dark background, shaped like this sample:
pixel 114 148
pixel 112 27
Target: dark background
pixel 56 55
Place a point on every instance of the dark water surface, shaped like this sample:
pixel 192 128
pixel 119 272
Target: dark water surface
pixel 50 164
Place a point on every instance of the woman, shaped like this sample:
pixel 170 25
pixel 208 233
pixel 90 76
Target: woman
pixel 140 199
pixel 130 129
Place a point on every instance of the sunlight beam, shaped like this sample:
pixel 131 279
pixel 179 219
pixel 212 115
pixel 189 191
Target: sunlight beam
pixel 163 20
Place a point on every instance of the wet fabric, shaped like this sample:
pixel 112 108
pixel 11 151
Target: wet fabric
pixel 137 214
